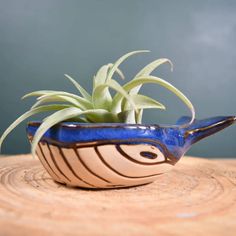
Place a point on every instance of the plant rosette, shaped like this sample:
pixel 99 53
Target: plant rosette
pixel 98 140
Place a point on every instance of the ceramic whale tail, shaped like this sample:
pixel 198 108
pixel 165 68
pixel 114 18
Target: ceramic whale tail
pixel 200 129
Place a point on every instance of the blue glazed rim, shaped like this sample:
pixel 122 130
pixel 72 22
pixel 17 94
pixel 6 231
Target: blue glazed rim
pixel 73 134
pixel 68 124
pixel 172 140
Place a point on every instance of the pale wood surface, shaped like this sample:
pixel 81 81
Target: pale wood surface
pixel 197 198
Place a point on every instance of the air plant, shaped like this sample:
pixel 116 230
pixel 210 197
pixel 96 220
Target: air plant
pixel 126 106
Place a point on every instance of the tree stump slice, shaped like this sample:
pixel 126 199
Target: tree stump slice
pixel 197 198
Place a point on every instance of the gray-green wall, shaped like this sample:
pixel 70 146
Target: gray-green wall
pixel 42 40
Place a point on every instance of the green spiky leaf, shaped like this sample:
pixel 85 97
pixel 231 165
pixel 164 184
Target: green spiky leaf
pixel 105 96
pixel 148 69
pixel 101 76
pixel 50 99
pixel 42 94
pixel 120 60
pixel 99 101
pixel 155 80
pixel 143 102
pixel 118 71
pixel 100 79
pixel 83 92
pixel 58 117
pixel 28 114
pixel 79 103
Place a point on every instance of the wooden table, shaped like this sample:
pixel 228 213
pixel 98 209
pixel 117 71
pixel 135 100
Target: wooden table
pixel 197 198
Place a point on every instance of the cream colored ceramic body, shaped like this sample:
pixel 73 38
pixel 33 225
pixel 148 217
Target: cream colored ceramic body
pixel 102 166
pixel 118 155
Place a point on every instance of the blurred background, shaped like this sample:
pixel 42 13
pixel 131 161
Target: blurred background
pixel 42 40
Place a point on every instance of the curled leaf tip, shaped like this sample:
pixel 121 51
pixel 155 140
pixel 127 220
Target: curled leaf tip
pixel 23 97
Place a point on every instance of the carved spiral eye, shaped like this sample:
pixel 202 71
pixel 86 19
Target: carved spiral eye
pixel 149 155
pixel 142 153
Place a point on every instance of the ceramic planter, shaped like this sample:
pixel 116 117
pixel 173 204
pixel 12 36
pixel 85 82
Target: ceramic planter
pixel 117 155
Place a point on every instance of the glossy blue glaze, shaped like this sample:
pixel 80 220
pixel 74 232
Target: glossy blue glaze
pixel 174 140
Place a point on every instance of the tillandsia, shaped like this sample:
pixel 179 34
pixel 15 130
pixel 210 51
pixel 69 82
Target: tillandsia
pixel 125 106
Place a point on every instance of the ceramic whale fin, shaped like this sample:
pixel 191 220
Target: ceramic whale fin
pixel 200 129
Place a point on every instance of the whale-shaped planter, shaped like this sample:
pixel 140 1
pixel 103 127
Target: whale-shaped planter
pixel 115 155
